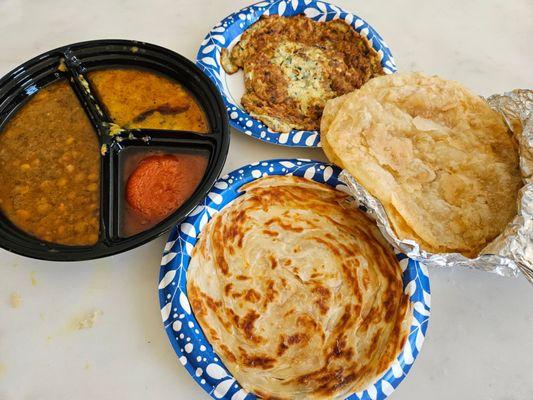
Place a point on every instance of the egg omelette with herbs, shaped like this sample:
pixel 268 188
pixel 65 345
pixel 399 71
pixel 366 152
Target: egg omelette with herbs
pixel 294 65
pixel 297 291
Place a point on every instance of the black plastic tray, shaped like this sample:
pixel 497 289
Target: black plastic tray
pixel 18 86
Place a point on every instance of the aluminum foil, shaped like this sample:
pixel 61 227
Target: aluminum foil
pixel 511 253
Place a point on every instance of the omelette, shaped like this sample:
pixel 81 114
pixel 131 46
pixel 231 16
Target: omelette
pixel 293 65
pixel 297 291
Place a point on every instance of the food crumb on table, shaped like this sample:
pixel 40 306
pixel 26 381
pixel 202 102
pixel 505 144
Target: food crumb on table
pixel 15 300
pixel 34 281
pixel 88 320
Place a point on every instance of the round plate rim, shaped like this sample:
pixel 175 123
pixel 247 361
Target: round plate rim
pixel 418 286
pixel 208 59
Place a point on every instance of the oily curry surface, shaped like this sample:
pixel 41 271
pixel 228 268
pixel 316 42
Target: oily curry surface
pixel 137 98
pixel 297 291
pixel 293 65
pixel 157 185
pixel 50 169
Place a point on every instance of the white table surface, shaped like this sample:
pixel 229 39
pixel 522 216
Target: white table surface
pixel 480 338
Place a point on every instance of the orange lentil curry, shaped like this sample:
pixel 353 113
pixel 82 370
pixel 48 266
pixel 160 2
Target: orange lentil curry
pixel 143 99
pixel 50 169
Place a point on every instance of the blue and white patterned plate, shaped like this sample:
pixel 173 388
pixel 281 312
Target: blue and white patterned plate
pixel 229 31
pixel 186 336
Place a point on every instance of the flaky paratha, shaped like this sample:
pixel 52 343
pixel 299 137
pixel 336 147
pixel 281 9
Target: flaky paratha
pixel 441 161
pixel 297 292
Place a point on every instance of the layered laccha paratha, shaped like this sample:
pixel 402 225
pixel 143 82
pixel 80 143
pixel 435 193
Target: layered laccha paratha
pixel 297 292
pixel 442 162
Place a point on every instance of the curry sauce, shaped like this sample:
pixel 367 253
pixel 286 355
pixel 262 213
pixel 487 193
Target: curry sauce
pixel 50 169
pixel 156 184
pixel 137 98
pixel 50 157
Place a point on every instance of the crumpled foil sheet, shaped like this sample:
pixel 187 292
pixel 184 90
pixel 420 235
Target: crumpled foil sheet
pixel 512 251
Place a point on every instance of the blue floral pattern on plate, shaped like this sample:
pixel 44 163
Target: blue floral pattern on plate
pixel 231 28
pixel 192 348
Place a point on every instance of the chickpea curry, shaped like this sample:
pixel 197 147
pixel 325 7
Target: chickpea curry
pixel 50 169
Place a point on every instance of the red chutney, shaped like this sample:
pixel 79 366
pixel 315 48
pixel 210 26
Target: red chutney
pixel 158 186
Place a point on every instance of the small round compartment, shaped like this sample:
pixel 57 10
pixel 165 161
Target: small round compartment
pixel 74 64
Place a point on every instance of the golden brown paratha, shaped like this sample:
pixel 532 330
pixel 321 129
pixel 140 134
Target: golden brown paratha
pixel 297 292
pixel 441 161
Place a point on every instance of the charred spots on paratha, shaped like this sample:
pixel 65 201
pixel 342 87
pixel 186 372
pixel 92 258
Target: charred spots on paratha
pixel 315 311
